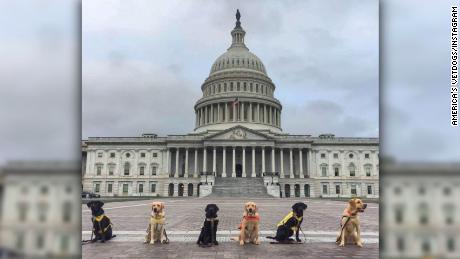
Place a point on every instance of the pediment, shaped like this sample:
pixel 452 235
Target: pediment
pixel 238 133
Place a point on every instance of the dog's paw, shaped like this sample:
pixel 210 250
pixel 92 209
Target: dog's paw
pixel 152 242
pixel 342 244
pixel 241 242
pixel 216 243
pixel 359 244
pixel 257 242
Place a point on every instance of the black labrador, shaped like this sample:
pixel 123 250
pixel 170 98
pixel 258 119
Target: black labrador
pixel 209 230
pixel 290 224
pixel 102 227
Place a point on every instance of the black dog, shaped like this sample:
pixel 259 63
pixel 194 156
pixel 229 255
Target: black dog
pixel 290 224
pixel 209 230
pixel 102 227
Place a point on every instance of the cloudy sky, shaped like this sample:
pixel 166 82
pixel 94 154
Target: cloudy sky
pixel 144 62
pixel 140 60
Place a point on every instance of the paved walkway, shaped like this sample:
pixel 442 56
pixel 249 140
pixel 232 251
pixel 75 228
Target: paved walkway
pixel 185 216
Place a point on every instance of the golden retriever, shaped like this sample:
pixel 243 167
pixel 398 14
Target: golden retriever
pixel 249 227
pixel 156 231
pixel 350 225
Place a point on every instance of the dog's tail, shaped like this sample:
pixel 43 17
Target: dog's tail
pixel 235 238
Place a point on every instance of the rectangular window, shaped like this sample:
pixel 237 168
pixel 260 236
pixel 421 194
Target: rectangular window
pixel 99 154
pixel 336 155
pixel 125 188
pixel 369 189
pixel 366 156
pixel 323 155
pixel 368 171
pixel 336 171
pixel 353 189
pixel 111 170
pixel 154 170
pixel 141 188
pixel 98 169
pixel 154 154
pixel 141 170
pixel 142 154
pixel 337 189
pixel 109 188
pixel 399 215
pixel 324 189
pixel 112 155
pixel 97 187
pixel 153 187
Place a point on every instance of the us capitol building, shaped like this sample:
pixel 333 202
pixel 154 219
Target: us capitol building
pixel 237 148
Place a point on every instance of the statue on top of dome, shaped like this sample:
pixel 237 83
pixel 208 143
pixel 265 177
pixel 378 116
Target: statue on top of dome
pixel 238 15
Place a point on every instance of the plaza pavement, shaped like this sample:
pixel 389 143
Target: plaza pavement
pixel 184 217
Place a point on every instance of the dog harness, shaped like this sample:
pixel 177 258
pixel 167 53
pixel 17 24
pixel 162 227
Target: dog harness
pixel 98 219
pixel 254 218
pixel 288 217
pixel 347 214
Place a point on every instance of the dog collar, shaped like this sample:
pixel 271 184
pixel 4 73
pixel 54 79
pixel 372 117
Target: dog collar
pixel 348 213
pixel 211 219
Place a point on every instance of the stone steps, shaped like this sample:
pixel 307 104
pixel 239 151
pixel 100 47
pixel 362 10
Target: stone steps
pixel 239 187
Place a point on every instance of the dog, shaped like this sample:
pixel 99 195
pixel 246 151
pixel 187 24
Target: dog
pixel 156 231
pixel 102 226
pixel 209 230
pixel 249 226
pixel 290 225
pixel 349 225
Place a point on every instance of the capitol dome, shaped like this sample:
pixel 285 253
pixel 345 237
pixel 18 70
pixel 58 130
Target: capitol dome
pixel 238 91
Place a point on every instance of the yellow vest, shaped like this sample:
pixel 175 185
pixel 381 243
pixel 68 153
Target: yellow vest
pixel 288 216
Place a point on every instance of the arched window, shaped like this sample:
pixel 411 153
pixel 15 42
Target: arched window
pixel 180 190
pixel 287 190
pixel 368 169
pixel 126 168
pixel 171 189
pixel 323 170
pixel 336 170
pixel 352 169
pixel 190 189
pixel 423 213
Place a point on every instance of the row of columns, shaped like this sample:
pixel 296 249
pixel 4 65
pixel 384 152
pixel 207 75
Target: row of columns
pixel 233 170
pixel 242 111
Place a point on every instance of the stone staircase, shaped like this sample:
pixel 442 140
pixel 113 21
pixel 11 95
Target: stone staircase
pixel 239 187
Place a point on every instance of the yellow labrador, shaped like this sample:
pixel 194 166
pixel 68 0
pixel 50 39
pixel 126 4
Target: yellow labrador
pixel 249 227
pixel 156 231
pixel 350 225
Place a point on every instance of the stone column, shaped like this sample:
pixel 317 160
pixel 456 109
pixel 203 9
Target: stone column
pixel 233 164
pixel 224 162
pixel 244 162
pixel 300 163
pixel 176 173
pixel 214 160
pixel 204 160
pixel 234 112
pixel 168 159
pixel 186 163
pixel 291 168
pixel 253 174
pixel 226 112
pixel 206 115
pixel 218 112
pixel 281 163
pixel 242 112
pixel 263 160
pixel 250 113
pixel 195 172
pixel 273 159
pixel 258 112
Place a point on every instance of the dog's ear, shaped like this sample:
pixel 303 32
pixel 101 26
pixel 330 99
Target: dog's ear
pixel 217 208
pixel 162 205
pixel 89 204
pixel 207 208
pixel 99 204
pixel 255 206
pixel 352 203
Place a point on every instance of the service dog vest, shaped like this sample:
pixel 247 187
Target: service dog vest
pixel 289 216
pixel 99 218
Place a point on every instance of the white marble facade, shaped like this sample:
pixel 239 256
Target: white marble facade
pixel 237 133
